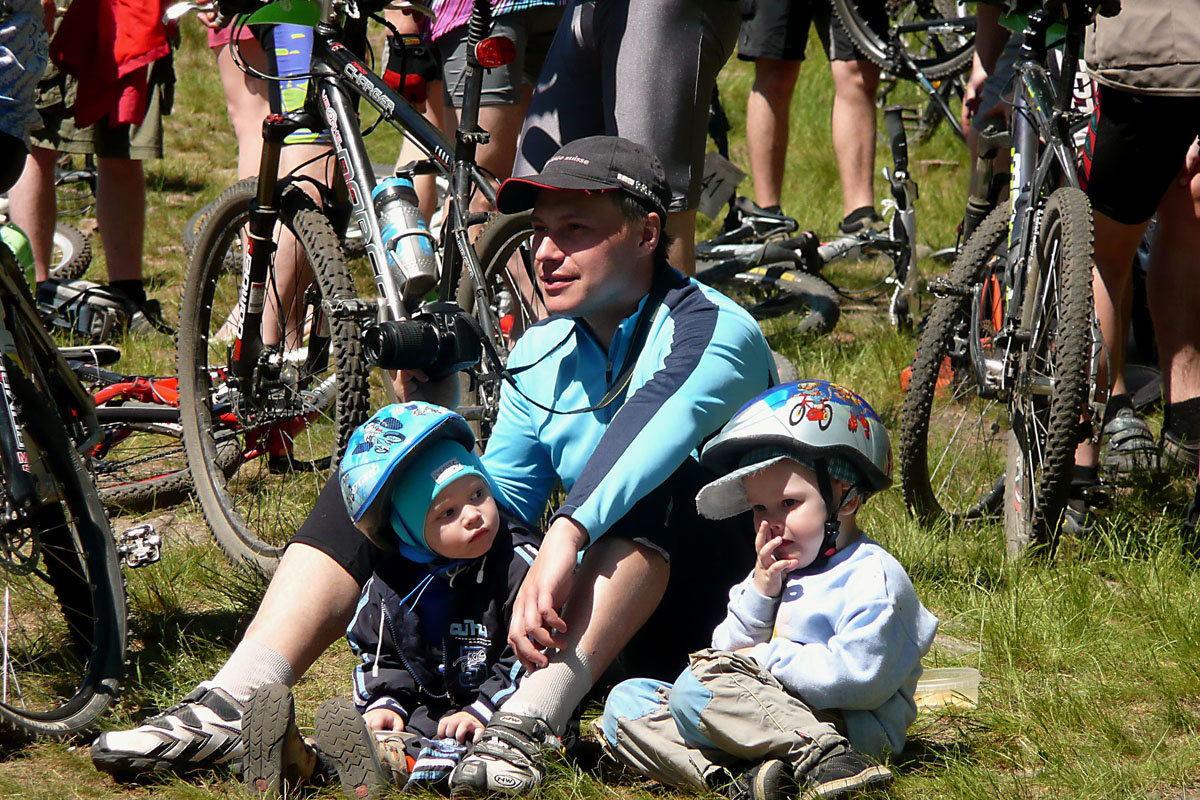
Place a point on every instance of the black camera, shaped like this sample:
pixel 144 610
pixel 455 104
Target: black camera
pixel 440 339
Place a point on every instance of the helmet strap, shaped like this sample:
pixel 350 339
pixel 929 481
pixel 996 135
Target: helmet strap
pixel 833 510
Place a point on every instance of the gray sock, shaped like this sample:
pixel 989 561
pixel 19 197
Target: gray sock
pixel 552 692
pixel 249 666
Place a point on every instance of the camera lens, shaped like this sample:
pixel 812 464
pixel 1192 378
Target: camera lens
pixel 401 345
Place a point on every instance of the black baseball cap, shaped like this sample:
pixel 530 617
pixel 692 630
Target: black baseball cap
pixel 593 164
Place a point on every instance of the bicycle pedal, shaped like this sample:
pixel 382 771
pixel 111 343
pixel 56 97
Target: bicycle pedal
pixel 940 287
pixel 1096 496
pixel 139 545
pixel 351 308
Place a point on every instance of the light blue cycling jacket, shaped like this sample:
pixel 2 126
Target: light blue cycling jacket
pixel 704 357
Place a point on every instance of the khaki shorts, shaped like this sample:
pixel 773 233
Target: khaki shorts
pixel 55 102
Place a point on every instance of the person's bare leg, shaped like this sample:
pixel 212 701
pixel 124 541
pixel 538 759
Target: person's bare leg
pixel 1115 245
pixel 246 99
pixel 1173 289
pixel 424 185
pixel 617 588
pixel 853 128
pixel 291 273
pixel 33 206
pixel 121 214
pixel 768 112
pixel 681 225
pixel 306 608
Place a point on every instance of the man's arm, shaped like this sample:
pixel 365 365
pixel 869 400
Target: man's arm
pixel 714 362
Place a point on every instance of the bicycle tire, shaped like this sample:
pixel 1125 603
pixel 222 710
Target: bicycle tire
pixel 72 252
pixel 502 238
pixel 1038 478
pixel 285 456
pixel 64 608
pixel 771 290
pixel 943 417
pixel 932 55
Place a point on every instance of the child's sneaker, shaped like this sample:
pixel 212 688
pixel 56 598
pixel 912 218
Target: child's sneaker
pixel 277 758
pixel 770 780
pixel 842 772
pixel 507 760
pixel 345 740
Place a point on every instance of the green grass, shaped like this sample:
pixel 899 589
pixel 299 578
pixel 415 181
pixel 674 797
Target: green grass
pixel 1091 687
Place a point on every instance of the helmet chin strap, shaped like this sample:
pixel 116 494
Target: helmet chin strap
pixel 833 510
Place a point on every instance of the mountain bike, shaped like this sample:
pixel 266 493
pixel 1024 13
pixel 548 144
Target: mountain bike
pixel 62 608
pixel 1002 374
pixel 760 260
pixel 296 386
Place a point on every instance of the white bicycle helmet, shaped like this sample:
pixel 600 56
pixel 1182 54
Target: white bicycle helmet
pixel 822 425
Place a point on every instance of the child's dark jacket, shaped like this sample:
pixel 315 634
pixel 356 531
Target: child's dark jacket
pixel 476 668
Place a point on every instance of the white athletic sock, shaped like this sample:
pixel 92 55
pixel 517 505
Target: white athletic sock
pixel 249 666
pixel 552 692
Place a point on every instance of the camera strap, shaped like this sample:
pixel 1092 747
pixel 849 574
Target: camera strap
pixel 658 291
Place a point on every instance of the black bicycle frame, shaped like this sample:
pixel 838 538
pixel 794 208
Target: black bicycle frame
pixel 336 68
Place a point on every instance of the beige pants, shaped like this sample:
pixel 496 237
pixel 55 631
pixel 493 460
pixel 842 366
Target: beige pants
pixel 723 713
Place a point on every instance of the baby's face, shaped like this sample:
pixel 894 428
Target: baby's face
pixel 463 519
pixel 785 494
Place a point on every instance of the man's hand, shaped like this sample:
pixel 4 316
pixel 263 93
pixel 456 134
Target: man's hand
pixel 384 719
pixel 415 385
pixel 768 570
pixel 461 726
pixel 536 623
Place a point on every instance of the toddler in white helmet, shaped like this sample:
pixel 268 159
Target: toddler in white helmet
pixel 810 678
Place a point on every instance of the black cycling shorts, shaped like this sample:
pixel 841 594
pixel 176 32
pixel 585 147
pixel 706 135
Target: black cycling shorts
pixel 707 557
pixel 779 29
pixel 1135 147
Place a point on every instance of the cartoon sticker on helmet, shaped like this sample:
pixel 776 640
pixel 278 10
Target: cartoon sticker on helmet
pixel 815 404
pixel 381 435
pixel 813 410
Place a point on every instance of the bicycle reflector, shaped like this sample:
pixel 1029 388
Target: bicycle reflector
pixel 495 51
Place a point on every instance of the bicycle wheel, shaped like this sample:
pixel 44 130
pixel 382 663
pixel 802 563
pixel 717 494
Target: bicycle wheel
pixel 772 290
pixel 139 463
pixel 62 620
pixel 72 253
pixel 1051 381
pixel 290 431
pixel 951 438
pixel 936 50
pixel 513 305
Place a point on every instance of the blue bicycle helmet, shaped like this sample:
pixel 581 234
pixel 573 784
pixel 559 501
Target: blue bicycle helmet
pixel 824 426
pixel 394 438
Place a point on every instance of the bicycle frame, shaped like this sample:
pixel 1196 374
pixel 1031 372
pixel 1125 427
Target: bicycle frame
pixel 1040 149
pixel 338 77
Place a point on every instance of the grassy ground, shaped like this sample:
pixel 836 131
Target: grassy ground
pixel 1090 681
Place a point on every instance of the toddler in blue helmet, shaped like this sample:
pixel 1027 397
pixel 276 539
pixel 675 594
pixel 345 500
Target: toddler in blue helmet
pixel 431 626
pixel 811 675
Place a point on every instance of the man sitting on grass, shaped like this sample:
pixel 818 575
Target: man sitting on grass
pixel 637 365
